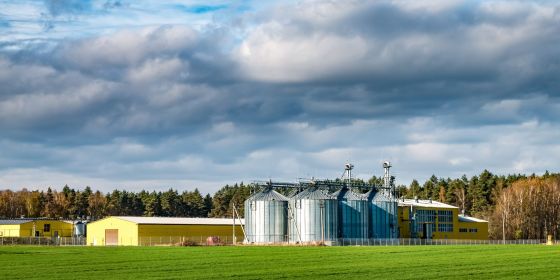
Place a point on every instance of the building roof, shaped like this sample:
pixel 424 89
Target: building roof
pixel 425 203
pixel 466 219
pixel 179 221
pixel 14 221
pixel 27 220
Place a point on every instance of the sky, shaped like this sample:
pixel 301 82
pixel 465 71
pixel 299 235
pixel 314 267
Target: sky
pixel 198 94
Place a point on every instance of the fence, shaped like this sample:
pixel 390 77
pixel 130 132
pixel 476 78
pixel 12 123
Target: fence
pixel 416 241
pixel 228 240
pixel 187 240
pixel 408 242
pixel 48 241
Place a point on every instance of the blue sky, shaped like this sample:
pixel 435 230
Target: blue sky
pixel 185 94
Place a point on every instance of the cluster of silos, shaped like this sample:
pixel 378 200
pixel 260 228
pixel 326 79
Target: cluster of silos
pixel 313 215
pixel 266 216
pixel 382 215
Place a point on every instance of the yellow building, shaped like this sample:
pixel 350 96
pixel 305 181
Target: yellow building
pixel 435 220
pixel 119 230
pixel 35 227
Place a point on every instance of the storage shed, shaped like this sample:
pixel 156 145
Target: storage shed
pixel 35 228
pixel 134 231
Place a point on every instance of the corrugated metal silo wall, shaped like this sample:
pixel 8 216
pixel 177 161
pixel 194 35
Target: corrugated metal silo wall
pixel 353 218
pixel 266 221
pixel 383 218
pixel 314 220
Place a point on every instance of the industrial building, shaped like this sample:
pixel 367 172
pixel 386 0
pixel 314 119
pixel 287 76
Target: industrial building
pixel 430 219
pixel 346 211
pixel 134 231
pixel 36 228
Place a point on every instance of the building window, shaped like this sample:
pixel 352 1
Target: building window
pixel 253 206
pixel 463 230
pixel 445 216
pixel 46 227
pixel 473 230
pixel 442 227
pixel 425 217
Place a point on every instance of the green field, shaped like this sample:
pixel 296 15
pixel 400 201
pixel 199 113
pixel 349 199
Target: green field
pixel 398 262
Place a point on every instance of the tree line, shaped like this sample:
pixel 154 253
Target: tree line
pixel 516 206
pixel 87 204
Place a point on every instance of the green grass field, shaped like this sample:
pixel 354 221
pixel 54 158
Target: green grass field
pixel 402 262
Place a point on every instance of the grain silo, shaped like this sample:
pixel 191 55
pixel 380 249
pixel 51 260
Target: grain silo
pixel 266 217
pixel 383 215
pixel 313 216
pixel 353 214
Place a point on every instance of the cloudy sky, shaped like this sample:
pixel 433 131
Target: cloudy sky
pixel 185 94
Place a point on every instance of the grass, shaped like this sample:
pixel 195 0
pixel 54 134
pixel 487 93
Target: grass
pixel 398 262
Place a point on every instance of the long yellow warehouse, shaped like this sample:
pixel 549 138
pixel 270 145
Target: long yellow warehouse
pixel 36 228
pixel 134 231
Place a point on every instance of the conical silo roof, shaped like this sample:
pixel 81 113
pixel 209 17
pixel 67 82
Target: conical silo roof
pixel 267 194
pixel 377 195
pixel 347 194
pixel 313 193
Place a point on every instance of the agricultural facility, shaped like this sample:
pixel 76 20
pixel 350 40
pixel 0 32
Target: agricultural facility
pixel 36 228
pixel 336 211
pixel 135 231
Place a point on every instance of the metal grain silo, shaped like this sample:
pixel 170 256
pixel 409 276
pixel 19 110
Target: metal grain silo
pixel 353 214
pixel 314 216
pixel 266 217
pixel 382 215
pixel 79 229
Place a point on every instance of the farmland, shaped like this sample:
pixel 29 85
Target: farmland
pixel 402 262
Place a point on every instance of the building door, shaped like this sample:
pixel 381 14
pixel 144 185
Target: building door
pixel 55 234
pixel 111 237
pixel 37 233
pixel 427 231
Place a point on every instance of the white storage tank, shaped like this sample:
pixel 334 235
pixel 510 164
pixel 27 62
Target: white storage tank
pixel 313 216
pixel 266 217
pixel 80 229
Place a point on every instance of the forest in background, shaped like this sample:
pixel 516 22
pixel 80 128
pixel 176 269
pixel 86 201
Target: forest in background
pixel 517 206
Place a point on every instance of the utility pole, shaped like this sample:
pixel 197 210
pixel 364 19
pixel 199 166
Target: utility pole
pixel 234 238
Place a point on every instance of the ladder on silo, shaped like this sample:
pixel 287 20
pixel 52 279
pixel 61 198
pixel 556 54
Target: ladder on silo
pixel 291 217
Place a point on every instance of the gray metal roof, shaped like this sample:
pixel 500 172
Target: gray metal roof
pixel 179 221
pixel 267 195
pixel 313 193
pixel 27 220
pixel 467 219
pixel 348 194
pixel 425 203
pixel 14 221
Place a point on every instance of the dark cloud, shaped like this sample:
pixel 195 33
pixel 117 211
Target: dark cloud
pixel 298 90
